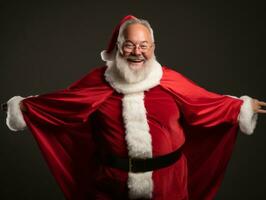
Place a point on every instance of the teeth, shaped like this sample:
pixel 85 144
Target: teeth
pixel 135 60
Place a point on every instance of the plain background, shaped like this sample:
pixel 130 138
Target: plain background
pixel 47 46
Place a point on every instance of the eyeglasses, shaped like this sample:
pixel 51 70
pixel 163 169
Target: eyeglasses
pixel 128 47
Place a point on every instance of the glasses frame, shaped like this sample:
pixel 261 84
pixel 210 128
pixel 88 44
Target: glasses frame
pixel 123 49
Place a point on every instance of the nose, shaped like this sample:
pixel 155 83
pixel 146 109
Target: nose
pixel 136 51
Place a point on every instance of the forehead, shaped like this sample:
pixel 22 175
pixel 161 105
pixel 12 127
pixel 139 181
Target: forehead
pixel 137 33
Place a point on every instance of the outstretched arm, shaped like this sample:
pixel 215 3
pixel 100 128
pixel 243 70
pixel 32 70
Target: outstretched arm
pixel 207 109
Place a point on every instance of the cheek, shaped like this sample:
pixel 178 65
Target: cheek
pixel 147 55
pixel 125 55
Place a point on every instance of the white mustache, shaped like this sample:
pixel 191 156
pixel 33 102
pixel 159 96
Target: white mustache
pixel 136 57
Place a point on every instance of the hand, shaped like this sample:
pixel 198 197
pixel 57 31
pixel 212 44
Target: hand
pixel 256 105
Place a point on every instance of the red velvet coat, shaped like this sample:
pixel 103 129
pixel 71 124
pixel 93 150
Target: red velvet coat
pixel 76 125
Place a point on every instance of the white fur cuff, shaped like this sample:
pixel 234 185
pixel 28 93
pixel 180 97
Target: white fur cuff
pixel 247 118
pixel 15 120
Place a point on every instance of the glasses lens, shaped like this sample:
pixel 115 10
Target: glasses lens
pixel 129 47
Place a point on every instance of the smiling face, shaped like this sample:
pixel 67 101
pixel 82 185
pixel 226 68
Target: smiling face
pixel 138 46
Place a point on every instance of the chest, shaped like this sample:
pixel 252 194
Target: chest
pixel 154 112
pixel 159 106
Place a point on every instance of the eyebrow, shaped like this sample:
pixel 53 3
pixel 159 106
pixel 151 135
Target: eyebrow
pixel 145 41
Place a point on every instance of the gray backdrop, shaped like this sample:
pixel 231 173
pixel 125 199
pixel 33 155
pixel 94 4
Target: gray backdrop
pixel 47 46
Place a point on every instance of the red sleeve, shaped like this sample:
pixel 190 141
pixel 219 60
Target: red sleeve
pixel 60 123
pixel 199 106
pixel 68 108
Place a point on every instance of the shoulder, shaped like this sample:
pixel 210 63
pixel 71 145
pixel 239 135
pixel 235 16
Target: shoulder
pixel 176 82
pixel 170 76
pixel 94 77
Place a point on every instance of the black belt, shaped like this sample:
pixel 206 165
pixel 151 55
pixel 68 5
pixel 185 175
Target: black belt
pixel 142 165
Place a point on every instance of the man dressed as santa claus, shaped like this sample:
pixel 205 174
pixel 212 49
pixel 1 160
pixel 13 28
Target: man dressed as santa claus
pixel 135 129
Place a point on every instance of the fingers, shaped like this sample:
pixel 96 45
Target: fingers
pixel 262 103
pixel 257 106
pixel 261 111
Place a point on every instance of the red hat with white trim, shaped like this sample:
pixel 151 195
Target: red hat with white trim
pixel 106 54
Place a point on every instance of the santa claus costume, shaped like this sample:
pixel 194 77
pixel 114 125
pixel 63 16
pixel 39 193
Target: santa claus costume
pixel 78 128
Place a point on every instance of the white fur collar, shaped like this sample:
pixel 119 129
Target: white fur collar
pixel 123 87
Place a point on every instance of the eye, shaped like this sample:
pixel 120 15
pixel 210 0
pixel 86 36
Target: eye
pixel 144 46
pixel 129 46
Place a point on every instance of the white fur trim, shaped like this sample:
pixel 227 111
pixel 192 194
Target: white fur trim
pixel 107 56
pixel 140 185
pixel 122 86
pixel 15 120
pixel 247 118
pixel 137 129
pixel 139 144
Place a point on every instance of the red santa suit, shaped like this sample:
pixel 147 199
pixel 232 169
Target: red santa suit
pixel 100 114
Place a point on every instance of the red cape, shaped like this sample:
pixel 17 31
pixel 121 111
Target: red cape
pixel 60 123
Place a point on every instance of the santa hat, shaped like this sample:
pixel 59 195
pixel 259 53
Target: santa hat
pixel 106 55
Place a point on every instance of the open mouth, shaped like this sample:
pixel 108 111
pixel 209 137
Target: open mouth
pixel 135 60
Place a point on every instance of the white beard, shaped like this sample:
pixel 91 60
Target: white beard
pixel 127 73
